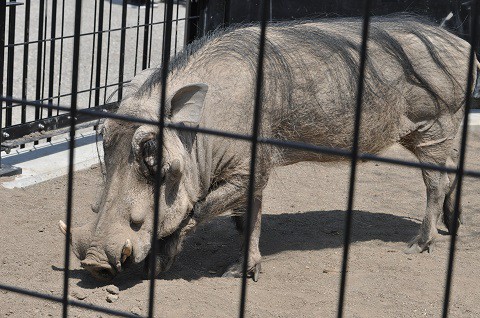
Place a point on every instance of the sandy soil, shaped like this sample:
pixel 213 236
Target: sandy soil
pixel 301 242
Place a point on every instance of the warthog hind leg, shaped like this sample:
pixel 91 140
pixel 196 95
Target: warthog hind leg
pixel 437 186
pixel 430 149
pixel 449 204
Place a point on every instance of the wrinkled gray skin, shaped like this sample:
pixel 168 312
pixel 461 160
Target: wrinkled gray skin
pixel 414 95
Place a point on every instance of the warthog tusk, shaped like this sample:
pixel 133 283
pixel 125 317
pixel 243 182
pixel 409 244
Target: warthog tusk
pixel 63 227
pixel 127 250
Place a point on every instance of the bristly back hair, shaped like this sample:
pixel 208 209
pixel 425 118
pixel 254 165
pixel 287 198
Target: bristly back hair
pixel 241 41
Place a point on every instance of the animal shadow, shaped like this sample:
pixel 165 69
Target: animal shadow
pixel 214 246
pixel 124 280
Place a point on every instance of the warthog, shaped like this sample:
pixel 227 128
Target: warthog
pixel 414 95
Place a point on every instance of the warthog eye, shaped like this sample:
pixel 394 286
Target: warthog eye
pixel 150 156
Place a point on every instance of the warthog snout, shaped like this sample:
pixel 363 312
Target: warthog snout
pixel 103 261
pixel 100 268
pixel 100 271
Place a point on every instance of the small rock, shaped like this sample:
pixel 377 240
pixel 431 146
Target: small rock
pixel 111 298
pixel 78 295
pixel 112 289
pixel 136 311
pixel 328 271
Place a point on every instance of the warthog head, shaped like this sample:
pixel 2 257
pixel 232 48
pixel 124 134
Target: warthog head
pixel 122 230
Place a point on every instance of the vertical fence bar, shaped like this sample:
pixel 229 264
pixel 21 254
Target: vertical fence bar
pixel 98 72
pixel 226 16
pixel 38 83
pixel 176 29
pixel 191 9
pixel 151 36
pixel 146 33
pixel 461 163
pixel 122 50
pixel 137 39
pixel 3 13
pixel 92 61
pixel 108 50
pixel 26 39
pixel 3 9
pixel 354 158
pixel 257 113
pixel 73 114
pixel 51 72
pixel 10 62
pixel 167 38
pixel 45 24
pixel 60 68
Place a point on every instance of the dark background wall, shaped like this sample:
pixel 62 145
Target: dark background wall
pixel 215 13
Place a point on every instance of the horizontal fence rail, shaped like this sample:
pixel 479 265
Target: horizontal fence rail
pixel 88 104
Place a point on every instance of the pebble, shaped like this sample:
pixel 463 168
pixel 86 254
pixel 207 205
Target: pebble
pixel 328 271
pixel 112 298
pixel 78 295
pixel 136 311
pixel 112 289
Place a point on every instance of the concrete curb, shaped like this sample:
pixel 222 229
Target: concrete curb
pixel 50 160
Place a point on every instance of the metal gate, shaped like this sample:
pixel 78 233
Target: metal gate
pixel 82 103
pixel 118 41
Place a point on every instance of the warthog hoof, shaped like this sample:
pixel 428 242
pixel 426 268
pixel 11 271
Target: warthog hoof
pixel 448 220
pixel 236 270
pixel 416 248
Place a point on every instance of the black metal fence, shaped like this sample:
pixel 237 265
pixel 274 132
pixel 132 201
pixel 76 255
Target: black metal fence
pixel 214 13
pixel 51 91
pixel 117 43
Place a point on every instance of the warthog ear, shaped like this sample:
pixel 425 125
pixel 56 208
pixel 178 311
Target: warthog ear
pixel 187 104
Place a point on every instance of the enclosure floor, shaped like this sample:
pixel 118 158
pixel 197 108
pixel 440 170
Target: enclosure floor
pixel 302 239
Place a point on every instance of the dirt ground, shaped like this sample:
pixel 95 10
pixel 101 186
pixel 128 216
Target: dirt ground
pixel 302 239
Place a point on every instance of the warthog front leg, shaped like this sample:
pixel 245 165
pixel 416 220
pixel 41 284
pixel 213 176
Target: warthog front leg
pixel 168 249
pixel 254 256
pixel 231 196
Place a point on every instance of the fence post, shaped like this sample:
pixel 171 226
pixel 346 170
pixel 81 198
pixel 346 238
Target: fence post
pixel 2 57
pixel 192 20
pixel 122 50
pixel 6 170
